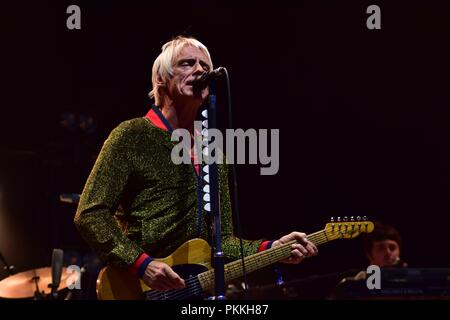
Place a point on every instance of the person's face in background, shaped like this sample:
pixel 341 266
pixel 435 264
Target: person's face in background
pixel 384 253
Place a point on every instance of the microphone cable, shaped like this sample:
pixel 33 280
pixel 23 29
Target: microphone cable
pixel 235 188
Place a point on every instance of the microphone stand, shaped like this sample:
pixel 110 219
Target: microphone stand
pixel 38 295
pixel 57 264
pixel 218 257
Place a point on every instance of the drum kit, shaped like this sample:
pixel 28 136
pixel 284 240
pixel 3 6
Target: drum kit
pixel 40 283
pixel 34 284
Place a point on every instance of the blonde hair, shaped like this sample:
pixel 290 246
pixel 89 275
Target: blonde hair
pixel 163 66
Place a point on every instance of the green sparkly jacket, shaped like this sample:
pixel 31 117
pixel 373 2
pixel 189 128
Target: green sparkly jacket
pixel 159 199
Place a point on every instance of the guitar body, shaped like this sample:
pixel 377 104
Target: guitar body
pixel 191 258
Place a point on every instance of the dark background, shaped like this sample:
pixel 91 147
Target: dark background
pixel 363 115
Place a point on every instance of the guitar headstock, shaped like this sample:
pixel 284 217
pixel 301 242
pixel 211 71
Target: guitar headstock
pixel 348 227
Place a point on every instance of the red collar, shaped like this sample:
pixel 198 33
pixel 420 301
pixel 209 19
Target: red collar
pixel 155 116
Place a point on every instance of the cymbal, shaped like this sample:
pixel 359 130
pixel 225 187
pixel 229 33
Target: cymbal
pixel 23 285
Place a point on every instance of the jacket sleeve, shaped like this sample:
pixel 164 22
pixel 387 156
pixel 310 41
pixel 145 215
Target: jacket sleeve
pixel 101 197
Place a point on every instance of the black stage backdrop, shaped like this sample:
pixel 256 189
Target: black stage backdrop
pixel 363 115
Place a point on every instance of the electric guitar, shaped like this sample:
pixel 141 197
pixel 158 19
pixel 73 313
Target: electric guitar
pixel 192 261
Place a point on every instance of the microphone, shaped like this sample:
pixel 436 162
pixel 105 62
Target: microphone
pixel 399 263
pixel 57 264
pixel 204 80
pixel 69 198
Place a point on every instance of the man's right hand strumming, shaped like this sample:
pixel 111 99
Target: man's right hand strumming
pixel 161 277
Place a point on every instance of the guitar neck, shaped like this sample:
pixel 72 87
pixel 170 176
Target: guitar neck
pixel 259 260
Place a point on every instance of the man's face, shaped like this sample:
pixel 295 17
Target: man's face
pixel 384 253
pixel 189 65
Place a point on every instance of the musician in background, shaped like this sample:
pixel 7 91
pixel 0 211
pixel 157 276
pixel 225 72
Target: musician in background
pixel 383 246
pixel 162 206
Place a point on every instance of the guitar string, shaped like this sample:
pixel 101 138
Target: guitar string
pixel 317 238
pixel 197 289
pixel 179 293
pixel 190 290
pixel 172 295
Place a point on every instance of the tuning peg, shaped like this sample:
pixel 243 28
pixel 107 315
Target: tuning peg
pixel 345 219
pixel 332 219
pixel 364 218
pixel 352 218
pixel 358 218
pixel 338 219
